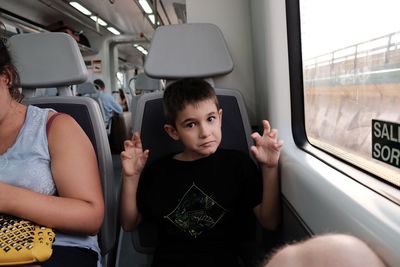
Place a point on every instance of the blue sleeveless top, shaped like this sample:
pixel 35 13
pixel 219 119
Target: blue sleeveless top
pixel 26 164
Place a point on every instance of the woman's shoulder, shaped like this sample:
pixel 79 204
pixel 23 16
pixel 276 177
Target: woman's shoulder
pixel 61 121
pixel 31 109
pixel 62 129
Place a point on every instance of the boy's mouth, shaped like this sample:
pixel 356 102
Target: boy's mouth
pixel 208 144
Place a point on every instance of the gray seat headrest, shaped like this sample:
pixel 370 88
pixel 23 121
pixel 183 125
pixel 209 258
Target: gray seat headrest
pixel 188 50
pixel 47 60
pixel 145 83
pixel 86 88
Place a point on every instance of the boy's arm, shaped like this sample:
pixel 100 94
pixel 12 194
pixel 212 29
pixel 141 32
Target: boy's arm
pixel 267 151
pixel 267 212
pixel 133 160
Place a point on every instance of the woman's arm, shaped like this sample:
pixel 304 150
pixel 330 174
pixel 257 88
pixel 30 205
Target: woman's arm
pixel 79 208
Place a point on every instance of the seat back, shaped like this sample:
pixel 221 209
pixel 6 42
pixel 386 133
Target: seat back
pixel 88 89
pixel 87 113
pixel 53 60
pixel 143 84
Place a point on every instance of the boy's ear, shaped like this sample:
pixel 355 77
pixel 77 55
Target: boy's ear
pixel 171 131
pixel 220 113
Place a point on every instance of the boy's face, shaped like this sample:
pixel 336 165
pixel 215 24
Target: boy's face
pixel 198 127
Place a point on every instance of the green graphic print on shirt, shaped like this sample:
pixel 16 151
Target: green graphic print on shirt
pixel 196 212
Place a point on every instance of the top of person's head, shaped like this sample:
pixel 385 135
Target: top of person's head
pixel 7 67
pixel 99 84
pixel 183 92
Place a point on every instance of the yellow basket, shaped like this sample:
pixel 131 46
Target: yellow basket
pixel 23 242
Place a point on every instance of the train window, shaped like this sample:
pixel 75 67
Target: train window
pixel 121 79
pixel 351 79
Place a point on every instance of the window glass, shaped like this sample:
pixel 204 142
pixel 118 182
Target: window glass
pixel 351 73
pixel 120 79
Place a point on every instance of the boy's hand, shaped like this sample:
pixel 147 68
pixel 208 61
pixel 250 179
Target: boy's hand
pixel 267 147
pixel 133 158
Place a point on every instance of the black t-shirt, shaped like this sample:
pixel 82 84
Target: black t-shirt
pixel 202 208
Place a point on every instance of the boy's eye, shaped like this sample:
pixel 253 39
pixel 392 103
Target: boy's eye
pixel 190 125
pixel 211 118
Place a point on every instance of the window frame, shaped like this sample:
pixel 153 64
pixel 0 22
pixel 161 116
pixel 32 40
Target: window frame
pixel 372 181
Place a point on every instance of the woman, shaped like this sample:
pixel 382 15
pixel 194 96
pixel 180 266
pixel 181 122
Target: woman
pixel 48 172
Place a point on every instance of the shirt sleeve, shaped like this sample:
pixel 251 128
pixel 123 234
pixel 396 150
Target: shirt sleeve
pixel 115 106
pixel 141 200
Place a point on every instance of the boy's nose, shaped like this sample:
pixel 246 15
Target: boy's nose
pixel 204 131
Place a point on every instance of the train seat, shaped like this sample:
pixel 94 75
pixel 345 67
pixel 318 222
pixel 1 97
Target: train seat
pixel 119 126
pixel 194 50
pixel 88 89
pixel 182 51
pixel 53 60
pixel 143 85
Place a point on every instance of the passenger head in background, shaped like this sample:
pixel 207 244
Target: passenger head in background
pixel 71 32
pixel 7 69
pixel 99 84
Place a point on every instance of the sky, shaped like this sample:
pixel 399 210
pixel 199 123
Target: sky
pixel 328 25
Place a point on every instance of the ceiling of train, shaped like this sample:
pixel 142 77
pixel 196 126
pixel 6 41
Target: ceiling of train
pixel 125 15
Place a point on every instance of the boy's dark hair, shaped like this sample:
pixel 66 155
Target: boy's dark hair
pixel 7 67
pixel 186 91
pixel 99 84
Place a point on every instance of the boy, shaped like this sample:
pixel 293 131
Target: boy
pixel 204 194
